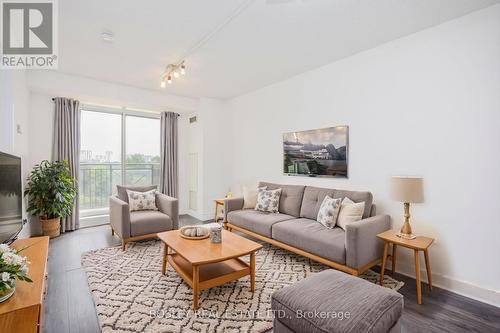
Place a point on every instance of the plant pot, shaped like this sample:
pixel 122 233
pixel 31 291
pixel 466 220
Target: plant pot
pixel 6 294
pixel 51 227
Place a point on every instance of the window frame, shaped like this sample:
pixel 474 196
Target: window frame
pixel 123 112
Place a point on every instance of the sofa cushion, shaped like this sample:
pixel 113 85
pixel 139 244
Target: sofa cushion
pixel 314 196
pixel 312 237
pixel 256 221
pixel 148 221
pixel 371 308
pixel 291 197
pixel 122 190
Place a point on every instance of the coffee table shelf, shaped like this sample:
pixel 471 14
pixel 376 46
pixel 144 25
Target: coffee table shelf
pixel 210 275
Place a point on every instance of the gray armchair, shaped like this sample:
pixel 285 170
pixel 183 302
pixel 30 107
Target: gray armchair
pixel 137 225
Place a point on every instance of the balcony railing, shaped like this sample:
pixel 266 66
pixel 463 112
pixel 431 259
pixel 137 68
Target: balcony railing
pixel 98 180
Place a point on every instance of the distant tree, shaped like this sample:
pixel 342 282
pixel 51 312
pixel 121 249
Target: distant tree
pixel 135 158
pixel 155 159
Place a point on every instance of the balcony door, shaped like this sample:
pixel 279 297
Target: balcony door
pixel 116 148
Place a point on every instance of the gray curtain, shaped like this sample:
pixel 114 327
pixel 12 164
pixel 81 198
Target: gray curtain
pixel 66 146
pixel 169 160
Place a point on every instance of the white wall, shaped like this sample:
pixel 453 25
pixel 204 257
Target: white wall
pixel 6 112
pixel 217 152
pixel 427 104
pixel 210 139
pixel 14 110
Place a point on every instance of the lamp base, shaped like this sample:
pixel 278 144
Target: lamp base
pixel 406 236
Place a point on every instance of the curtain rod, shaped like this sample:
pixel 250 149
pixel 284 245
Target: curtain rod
pixel 178 114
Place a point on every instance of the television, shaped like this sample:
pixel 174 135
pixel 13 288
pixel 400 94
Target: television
pixel 317 153
pixel 11 197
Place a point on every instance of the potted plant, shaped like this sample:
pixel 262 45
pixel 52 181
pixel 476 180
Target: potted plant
pixel 12 267
pixel 51 194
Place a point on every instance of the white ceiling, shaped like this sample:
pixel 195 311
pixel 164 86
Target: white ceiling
pixel 244 45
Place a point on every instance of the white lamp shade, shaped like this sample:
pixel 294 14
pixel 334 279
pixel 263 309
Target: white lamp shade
pixel 407 189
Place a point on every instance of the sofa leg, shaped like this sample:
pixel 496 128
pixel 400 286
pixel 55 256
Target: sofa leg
pixel 112 232
pixel 123 244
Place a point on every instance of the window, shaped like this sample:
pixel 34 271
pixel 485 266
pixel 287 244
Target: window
pixel 142 161
pixel 116 148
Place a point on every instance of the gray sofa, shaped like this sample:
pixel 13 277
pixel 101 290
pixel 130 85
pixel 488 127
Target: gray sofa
pixel 137 225
pixel 295 228
pixel 332 301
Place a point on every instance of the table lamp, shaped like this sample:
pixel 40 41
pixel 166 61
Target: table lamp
pixel 407 190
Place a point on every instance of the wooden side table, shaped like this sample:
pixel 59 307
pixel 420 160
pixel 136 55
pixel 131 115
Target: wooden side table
pixel 420 243
pixel 218 202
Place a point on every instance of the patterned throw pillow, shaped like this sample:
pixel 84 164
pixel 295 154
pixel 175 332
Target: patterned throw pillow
pixel 268 200
pixel 142 200
pixel 328 212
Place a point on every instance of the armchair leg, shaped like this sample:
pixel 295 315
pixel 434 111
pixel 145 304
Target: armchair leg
pixel 123 244
pixel 112 232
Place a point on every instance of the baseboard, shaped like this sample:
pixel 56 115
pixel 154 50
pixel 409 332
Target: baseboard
pixel 198 215
pixel 463 288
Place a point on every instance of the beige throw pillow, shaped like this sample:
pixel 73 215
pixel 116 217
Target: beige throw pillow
pixel 142 200
pixel 350 212
pixel 250 197
pixel 328 212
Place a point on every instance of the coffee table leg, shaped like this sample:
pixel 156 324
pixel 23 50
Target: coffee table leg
pixel 252 271
pixel 165 254
pixel 196 277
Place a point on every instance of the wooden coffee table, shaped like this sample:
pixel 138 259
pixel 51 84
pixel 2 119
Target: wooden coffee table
pixel 203 265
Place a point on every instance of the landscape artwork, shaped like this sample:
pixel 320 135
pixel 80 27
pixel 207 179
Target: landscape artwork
pixel 317 153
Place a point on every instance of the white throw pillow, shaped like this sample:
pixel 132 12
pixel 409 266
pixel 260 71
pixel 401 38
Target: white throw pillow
pixel 350 212
pixel 142 200
pixel 268 200
pixel 328 211
pixel 250 197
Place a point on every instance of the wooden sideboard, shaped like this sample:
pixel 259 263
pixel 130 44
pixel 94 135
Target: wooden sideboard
pixel 23 311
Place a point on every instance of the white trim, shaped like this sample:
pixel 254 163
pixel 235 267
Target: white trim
pixel 93 212
pixel 93 221
pixel 464 288
pixel 121 110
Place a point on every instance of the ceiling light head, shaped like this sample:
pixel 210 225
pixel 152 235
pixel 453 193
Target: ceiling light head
pixel 163 84
pixel 173 71
pixel 107 36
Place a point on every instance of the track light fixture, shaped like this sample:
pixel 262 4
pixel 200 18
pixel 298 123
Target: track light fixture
pixel 172 70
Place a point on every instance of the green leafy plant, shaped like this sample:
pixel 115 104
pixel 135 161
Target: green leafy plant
pixel 51 190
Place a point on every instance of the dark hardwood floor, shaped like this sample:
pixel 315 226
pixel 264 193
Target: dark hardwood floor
pixel 69 306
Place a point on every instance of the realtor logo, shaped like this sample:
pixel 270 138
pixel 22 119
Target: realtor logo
pixel 29 34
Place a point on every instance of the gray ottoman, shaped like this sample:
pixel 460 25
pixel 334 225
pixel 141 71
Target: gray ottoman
pixel 332 301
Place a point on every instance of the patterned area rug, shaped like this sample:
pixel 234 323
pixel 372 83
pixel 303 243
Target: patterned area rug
pixel 131 295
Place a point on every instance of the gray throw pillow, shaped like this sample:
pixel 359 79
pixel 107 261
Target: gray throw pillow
pixel 268 200
pixel 329 211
